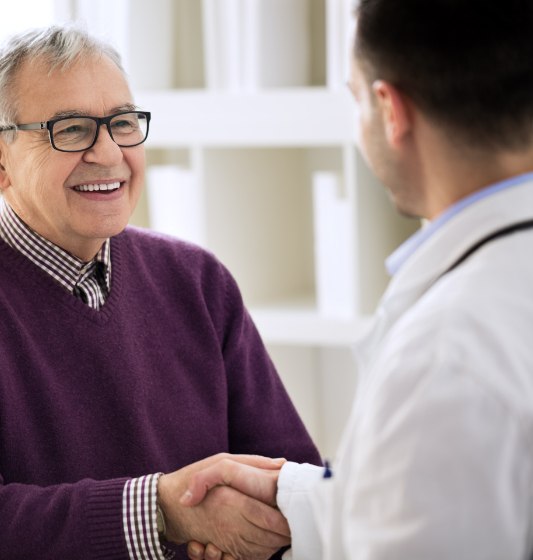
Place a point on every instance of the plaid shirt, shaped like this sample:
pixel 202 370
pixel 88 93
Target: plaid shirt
pixel 89 281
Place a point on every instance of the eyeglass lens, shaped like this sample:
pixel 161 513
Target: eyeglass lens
pixel 79 133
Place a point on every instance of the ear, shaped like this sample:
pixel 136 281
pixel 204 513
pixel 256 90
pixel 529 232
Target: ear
pixel 5 180
pixel 395 112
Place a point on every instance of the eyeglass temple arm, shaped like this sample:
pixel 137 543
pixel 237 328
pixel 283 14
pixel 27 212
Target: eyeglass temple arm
pixel 31 126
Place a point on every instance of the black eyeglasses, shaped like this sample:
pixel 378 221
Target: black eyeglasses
pixel 77 134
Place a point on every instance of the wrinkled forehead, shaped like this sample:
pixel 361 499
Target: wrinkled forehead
pixel 91 84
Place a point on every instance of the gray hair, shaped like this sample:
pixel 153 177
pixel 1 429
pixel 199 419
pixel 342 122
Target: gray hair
pixel 59 46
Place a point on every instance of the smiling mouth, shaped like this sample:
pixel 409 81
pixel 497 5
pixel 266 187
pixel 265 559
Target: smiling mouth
pixel 98 187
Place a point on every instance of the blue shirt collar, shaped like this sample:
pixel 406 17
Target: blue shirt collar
pixel 397 259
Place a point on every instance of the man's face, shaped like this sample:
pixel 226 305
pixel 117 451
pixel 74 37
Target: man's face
pixel 42 184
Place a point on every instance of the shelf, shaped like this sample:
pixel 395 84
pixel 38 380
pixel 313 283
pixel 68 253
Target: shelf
pixel 253 207
pixel 299 323
pixel 288 117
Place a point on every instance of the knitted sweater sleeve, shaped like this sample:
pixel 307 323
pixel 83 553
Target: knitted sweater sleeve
pixel 262 417
pixel 81 520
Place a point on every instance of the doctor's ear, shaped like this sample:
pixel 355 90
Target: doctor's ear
pixel 395 111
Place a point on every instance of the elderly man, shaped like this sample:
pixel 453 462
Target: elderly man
pixel 437 459
pixel 123 354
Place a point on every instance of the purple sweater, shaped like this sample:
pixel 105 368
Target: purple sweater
pixel 169 371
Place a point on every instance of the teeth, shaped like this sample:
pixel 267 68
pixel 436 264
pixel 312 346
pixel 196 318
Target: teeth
pixel 98 187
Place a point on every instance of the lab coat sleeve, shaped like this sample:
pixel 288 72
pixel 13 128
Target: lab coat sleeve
pixel 295 485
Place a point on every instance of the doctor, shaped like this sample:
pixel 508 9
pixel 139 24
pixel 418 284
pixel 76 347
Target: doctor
pixel 437 459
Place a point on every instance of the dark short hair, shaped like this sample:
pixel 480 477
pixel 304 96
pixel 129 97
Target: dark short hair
pixel 468 64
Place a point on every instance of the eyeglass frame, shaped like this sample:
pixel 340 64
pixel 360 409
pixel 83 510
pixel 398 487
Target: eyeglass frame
pixel 49 125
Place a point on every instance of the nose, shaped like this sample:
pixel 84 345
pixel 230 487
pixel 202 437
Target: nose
pixel 105 150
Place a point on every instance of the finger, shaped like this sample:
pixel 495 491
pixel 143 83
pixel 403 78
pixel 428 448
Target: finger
pixel 259 524
pixel 212 552
pixel 258 461
pixel 267 519
pixel 250 480
pixel 195 550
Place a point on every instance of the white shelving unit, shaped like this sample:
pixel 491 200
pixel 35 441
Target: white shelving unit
pixel 249 107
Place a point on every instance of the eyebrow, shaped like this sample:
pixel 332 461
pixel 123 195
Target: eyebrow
pixel 78 113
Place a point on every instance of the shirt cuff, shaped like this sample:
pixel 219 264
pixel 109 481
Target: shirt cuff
pixel 139 504
pixel 294 486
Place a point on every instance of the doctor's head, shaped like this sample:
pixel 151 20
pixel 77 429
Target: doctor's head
pixel 460 68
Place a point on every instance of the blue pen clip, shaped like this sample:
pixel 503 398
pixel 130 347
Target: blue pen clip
pixel 327 470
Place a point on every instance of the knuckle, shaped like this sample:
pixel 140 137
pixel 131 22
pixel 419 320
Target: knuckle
pixel 222 456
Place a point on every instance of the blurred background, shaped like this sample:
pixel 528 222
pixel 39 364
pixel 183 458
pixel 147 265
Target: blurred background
pixel 252 155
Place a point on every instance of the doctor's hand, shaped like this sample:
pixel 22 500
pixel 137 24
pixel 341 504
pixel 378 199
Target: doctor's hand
pixel 252 480
pixel 248 477
pixel 242 526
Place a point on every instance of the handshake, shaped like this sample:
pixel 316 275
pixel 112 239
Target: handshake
pixel 224 507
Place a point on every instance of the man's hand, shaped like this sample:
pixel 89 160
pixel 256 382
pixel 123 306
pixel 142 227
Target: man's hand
pixel 242 526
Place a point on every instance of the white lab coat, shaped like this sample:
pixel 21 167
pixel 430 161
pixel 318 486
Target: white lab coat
pixel 437 459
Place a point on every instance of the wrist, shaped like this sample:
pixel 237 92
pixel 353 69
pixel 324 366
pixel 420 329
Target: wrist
pixel 161 523
pixel 169 527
